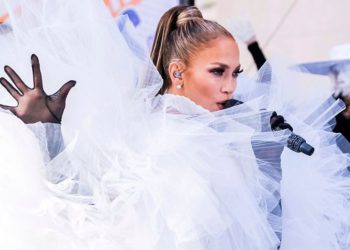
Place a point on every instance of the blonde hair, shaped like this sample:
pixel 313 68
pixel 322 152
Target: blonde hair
pixel 181 32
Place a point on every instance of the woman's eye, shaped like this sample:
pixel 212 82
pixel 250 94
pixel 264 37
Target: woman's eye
pixel 236 73
pixel 217 72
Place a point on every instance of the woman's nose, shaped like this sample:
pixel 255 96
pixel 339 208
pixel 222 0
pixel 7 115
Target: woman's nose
pixel 229 86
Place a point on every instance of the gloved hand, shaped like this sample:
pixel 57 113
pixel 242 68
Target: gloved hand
pixel 277 122
pixel 341 81
pixel 33 104
pixel 295 142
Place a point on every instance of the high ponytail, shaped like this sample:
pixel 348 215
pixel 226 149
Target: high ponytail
pixel 181 32
pixel 166 25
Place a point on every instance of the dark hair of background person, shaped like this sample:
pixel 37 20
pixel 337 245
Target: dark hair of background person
pixel 187 2
pixel 342 122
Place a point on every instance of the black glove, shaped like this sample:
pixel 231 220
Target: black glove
pixel 33 104
pixel 278 122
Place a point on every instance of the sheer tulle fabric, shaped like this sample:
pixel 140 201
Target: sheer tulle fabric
pixel 145 172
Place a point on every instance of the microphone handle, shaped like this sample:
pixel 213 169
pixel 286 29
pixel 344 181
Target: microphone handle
pixel 298 144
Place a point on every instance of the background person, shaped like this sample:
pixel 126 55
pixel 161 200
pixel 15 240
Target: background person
pixel 338 69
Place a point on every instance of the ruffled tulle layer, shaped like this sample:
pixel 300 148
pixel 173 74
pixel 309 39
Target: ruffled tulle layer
pixel 140 172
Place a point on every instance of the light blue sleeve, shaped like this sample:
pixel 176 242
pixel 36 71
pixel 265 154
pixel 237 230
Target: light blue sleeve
pixel 50 138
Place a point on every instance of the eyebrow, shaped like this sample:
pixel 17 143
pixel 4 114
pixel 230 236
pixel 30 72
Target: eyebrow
pixel 226 66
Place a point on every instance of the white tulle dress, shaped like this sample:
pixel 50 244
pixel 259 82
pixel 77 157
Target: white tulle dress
pixel 139 172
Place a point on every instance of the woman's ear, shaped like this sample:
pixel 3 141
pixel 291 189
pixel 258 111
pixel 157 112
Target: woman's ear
pixel 175 72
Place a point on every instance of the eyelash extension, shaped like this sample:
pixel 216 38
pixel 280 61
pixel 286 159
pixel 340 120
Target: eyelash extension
pixel 236 73
pixel 220 71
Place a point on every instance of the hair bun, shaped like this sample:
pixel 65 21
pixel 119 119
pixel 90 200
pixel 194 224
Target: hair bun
pixel 191 13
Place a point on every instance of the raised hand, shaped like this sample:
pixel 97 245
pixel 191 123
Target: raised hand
pixel 33 104
pixel 278 122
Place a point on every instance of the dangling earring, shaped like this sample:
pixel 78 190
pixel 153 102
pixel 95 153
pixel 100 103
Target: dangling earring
pixel 178 75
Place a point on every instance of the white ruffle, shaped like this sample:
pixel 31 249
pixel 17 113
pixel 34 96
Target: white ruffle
pixel 140 172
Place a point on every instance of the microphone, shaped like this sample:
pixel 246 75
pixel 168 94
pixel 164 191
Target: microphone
pixel 298 144
pixel 295 142
pixel 232 102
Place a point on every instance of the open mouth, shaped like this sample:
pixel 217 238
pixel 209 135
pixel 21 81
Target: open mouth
pixel 221 105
